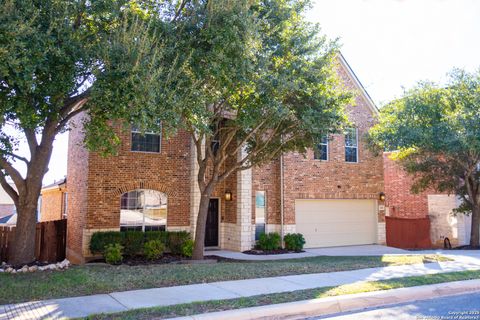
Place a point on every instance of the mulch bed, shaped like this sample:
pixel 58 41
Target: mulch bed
pixel 142 261
pixel 166 259
pixel 262 252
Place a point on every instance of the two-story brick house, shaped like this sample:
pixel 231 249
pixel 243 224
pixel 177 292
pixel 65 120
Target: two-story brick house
pixel 331 196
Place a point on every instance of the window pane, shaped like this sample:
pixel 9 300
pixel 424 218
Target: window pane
pixel 350 154
pixel 351 137
pixel 321 152
pixel 259 229
pixel 143 209
pixel 146 142
pixel 260 205
pixel 260 199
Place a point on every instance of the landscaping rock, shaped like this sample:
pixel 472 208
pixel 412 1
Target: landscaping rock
pixel 9 270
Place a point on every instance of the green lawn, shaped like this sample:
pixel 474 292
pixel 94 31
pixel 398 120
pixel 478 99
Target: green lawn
pixel 92 279
pixel 268 299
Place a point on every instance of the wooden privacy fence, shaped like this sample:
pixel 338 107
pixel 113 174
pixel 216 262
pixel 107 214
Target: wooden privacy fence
pixel 408 233
pixel 50 241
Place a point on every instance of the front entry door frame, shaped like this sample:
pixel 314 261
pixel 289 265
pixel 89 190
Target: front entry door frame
pixel 218 226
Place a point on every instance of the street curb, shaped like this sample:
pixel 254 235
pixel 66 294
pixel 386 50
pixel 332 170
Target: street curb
pixel 344 303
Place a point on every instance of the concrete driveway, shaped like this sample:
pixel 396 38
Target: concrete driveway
pixel 364 250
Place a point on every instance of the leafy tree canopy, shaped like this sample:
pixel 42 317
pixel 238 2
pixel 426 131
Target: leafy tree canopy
pixel 435 132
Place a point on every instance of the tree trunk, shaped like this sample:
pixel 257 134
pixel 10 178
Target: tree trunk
pixel 474 235
pixel 199 246
pixel 24 246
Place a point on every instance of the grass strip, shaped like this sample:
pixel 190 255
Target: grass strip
pixel 96 279
pixel 268 299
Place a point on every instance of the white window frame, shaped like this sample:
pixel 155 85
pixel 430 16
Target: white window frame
pixel 356 146
pixel 327 152
pixel 159 134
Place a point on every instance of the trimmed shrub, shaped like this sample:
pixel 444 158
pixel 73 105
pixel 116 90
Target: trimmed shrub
pixel 157 235
pixel 187 248
pixel 176 241
pixel 269 241
pixel 294 242
pixel 113 253
pixel 153 249
pixel 101 239
pixel 133 243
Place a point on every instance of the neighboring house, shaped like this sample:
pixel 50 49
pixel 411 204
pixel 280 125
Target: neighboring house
pixel 437 207
pixel 331 196
pixel 7 207
pixel 54 198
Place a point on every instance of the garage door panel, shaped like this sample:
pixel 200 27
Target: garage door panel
pixel 336 222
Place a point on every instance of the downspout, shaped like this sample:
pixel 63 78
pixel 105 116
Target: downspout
pixel 281 197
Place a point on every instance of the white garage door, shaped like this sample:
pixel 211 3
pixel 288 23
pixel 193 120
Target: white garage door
pixel 328 223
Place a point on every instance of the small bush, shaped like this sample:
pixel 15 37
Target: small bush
pixel 176 241
pixel 187 248
pixel 133 243
pixel 269 241
pixel 101 239
pixel 294 242
pixel 153 249
pixel 113 253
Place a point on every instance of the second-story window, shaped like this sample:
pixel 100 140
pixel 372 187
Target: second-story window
pixel 146 142
pixel 321 151
pixel 215 141
pixel 351 145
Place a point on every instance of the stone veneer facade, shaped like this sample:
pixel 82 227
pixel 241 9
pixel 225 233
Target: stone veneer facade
pixel 96 183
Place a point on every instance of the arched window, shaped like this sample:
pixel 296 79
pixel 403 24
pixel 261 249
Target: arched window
pixel 143 210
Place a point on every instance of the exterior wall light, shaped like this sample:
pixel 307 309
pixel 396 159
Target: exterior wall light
pixel 381 196
pixel 228 195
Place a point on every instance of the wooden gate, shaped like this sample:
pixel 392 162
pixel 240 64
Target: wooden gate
pixel 50 241
pixel 408 233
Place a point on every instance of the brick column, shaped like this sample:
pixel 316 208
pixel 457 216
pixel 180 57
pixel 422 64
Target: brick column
pixel 194 189
pixel 244 208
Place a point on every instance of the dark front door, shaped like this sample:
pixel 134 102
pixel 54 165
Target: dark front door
pixel 211 229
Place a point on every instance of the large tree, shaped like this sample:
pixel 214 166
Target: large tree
pixel 436 133
pixel 265 83
pixel 60 58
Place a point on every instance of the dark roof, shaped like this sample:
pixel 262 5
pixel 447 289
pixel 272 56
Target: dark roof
pixel 6 218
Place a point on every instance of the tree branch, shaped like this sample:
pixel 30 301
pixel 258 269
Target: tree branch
pixel 177 13
pixel 13 155
pixel 13 173
pixel 8 189
pixel 31 140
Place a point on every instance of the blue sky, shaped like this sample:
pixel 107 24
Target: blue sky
pixel 390 44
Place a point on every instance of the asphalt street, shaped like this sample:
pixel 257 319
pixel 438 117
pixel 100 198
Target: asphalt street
pixel 460 307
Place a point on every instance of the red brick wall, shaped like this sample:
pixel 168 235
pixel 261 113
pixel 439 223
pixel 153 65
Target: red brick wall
pixel 52 205
pixel 267 178
pixel 228 209
pixel 306 178
pixel 401 202
pixel 167 171
pixel 77 173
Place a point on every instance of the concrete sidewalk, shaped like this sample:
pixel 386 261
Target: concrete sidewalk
pixel 128 300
